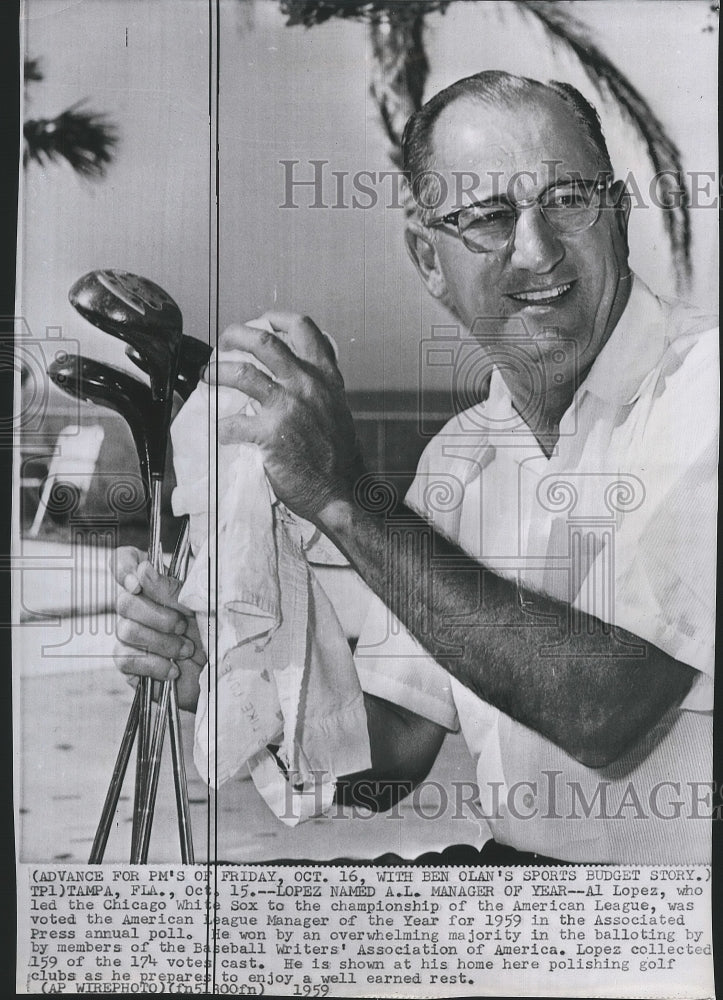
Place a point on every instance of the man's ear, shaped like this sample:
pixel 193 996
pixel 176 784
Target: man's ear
pixel 621 200
pixel 422 250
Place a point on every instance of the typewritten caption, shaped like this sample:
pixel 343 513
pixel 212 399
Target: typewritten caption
pixel 331 931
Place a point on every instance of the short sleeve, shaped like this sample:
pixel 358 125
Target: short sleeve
pixel 666 593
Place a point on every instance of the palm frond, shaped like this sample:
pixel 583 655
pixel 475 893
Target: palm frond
pixel 400 67
pixel 610 82
pixel 84 138
pixel 312 12
pixel 399 71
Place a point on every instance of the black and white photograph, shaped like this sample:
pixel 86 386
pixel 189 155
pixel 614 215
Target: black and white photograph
pixel 365 453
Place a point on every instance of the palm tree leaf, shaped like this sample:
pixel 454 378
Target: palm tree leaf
pixel 400 67
pixel 663 152
pixel 83 138
pixel 399 71
pixel 311 12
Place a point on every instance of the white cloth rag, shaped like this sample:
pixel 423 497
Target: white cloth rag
pixel 280 691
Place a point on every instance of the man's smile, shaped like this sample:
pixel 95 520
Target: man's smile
pixel 541 296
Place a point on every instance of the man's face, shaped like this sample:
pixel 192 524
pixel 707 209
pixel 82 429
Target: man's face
pixel 572 286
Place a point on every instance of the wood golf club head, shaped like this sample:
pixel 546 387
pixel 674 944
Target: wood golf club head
pixel 194 355
pixel 107 386
pixel 139 312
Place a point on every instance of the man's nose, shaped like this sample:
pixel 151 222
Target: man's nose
pixel 536 246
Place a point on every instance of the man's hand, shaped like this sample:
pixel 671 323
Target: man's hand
pixel 152 628
pixel 303 426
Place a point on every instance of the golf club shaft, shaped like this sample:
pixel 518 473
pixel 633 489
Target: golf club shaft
pixel 185 832
pixel 180 780
pixel 154 770
pixel 167 712
pixel 138 719
pixel 178 569
pixel 116 783
pixel 145 687
pixel 155 557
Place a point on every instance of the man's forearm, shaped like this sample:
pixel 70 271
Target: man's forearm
pixel 594 698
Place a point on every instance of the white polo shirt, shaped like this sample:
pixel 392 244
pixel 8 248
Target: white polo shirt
pixel 620 522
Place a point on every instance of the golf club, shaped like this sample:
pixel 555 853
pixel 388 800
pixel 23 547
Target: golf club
pixel 140 313
pixel 143 315
pixel 107 386
pixel 125 395
pixel 194 355
pixel 104 385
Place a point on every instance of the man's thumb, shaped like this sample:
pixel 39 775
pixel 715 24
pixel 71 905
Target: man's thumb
pixel 124 564
pixel 160 588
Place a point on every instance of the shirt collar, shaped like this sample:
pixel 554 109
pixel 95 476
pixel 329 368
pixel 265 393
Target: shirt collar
pixel 631 351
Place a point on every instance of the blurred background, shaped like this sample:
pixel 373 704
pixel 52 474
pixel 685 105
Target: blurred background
pixel 295 82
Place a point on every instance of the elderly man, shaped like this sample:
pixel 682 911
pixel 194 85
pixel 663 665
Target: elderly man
pixel 559 607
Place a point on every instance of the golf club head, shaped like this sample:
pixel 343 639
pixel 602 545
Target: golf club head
pixel 138 312
pixel 104 385
pixel 194 355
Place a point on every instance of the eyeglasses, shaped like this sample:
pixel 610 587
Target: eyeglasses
pixel 567 206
